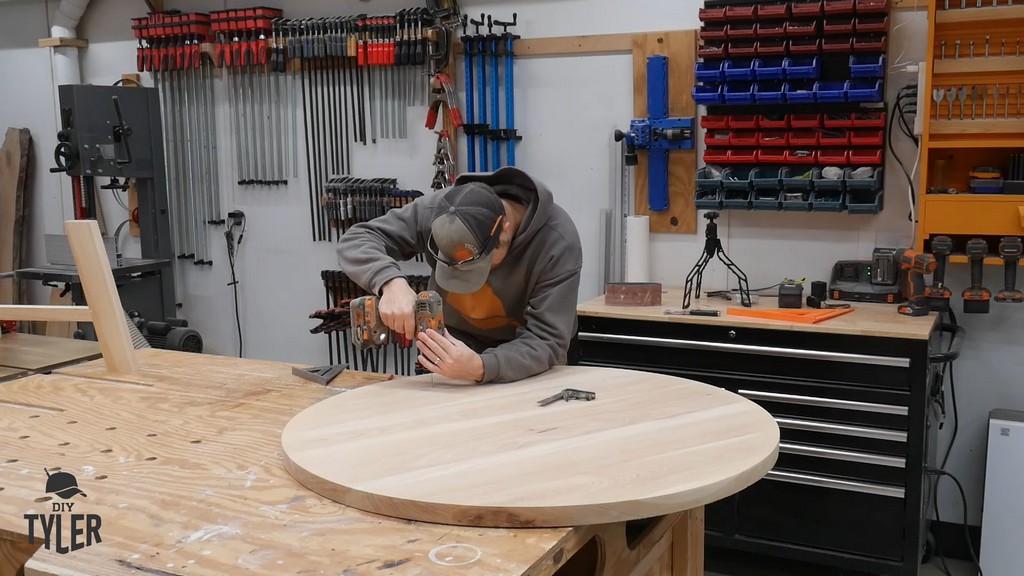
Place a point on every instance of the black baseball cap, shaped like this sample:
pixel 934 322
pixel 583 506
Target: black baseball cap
pixel 464 233
pixel 62 484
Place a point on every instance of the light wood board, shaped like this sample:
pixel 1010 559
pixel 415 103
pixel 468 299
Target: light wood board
pixel 418 448
pixel 866 319
pixel 186 471
pixel 11 373
pixel 14 156
pixel 680 47
pixel 42 353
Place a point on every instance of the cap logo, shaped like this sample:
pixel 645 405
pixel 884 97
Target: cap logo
pixel 464 252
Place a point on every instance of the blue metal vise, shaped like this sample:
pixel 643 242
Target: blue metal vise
pixel 657 134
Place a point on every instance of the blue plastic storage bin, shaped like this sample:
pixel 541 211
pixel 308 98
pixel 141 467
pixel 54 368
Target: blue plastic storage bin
pixel 709 190
pixel 738 70
pixel 799 92
pixel 865 91
pixel 708 72
pixel 864 201
pixel 769 68
pixel 769 93
pixel 707 94
pixel 739 178
pixel 738 93
pixel 767 178
pixel 803 68
pixel 830 91
pixel 827 201
pixel 867 66
pixel 830 185
pixel 874 182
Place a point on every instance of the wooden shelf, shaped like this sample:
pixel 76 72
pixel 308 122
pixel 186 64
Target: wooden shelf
pixel 58 42
pixel 1008 198
pixel 976 15
pixel 979 65
pixel 974 143
pixel 979 128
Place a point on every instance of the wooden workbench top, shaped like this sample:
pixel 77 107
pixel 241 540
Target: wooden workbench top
pixel 43 353
pixel 185 468
pixel 879 320
pixel 425 449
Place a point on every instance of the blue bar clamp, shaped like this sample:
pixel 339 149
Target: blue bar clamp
pixel 657 134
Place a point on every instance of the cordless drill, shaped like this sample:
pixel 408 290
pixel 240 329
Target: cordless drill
pixel 977 298
pixel 369 330
pixel 937 293
pixel 1010 249
pixel 914 265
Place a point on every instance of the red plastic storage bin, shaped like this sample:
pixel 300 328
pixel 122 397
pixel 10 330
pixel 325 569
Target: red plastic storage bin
pixel 734 13
pixel 743 122
pixel 771 156
pixel 866 156
pixel 805 120
pixel 714 32
pixel 713 50
pixel 807 9
pixel 871 6
pixel 834 138
pixel 797 28
pixel 742 156
pixel 711 14
pixel 771 47
pixel 800 46
pixel 716 155
pixel 838 7
pixel 807 138
pixel 716 138
pixel 773 12
pixel 801 156
pixel 871 24
pixel 868 120
pixel 837 121
pixel 867 137
pixel 837 44
pixel 742 49
pixel 771 29
pixel 773 123
pixel 839 156
pixel 838 26
pixel 869 43
pixel 741 139
pixel 773 139
pixel 742 31
pixel 714 122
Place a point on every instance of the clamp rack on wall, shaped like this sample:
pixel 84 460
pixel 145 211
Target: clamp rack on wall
pixel 795 115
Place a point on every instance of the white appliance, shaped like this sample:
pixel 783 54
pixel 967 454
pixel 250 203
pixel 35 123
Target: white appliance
pixel 1003 513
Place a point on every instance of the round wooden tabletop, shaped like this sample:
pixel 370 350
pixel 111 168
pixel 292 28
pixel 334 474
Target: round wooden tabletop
pixel 423 449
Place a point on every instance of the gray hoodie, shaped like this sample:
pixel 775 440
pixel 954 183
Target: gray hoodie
pixel 523 318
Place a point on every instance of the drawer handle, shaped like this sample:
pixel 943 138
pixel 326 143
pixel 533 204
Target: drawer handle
pixel 824 402
pixel 747 349
pixel 842 429
pixel 845 455
pixel 822 482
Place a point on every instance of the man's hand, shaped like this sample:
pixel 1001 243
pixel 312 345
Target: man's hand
pixel 397 302
pixel 449 357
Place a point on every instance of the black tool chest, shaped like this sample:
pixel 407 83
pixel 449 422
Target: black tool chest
pixel 794 105
pixel 847 489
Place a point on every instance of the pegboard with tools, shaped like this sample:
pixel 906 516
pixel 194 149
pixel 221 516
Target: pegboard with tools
pixel 794 100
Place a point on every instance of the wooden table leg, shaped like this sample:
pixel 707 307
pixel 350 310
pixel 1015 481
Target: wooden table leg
pixel 14 554
pixel 688 544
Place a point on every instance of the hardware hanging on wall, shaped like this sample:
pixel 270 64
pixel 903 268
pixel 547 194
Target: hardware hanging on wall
pixel 658 134
pixel 484 133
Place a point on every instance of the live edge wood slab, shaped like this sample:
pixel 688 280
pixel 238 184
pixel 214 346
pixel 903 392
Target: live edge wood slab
pixel 183 462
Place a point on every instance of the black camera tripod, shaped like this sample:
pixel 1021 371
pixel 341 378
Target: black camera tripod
pixel 712 248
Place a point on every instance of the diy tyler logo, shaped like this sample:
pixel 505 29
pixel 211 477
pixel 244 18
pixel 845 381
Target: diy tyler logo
pixel 83 529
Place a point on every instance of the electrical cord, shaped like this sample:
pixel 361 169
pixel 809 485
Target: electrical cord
pixel 963 500
pixel 237 219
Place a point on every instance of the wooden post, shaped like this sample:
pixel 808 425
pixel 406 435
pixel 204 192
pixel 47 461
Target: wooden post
pixel 101 295
pixel 688 544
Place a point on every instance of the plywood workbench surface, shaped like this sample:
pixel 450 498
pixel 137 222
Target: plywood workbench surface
pixel 183 462
pixel 43 353
pixel 866 319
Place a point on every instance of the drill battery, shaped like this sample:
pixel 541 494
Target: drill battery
pixel 369 330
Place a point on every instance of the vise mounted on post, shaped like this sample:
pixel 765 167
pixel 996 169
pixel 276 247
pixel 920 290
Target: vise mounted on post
pixel 657 134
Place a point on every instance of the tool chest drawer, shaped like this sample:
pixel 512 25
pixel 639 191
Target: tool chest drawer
pixel 847 487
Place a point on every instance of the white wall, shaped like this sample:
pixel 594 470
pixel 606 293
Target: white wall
pixel 567 109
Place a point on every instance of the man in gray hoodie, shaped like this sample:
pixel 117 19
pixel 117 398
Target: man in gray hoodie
pixel 506 260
